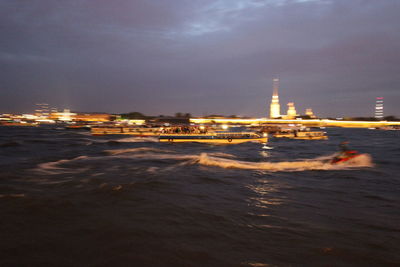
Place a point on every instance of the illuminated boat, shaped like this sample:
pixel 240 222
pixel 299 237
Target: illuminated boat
pixel 389 128
pixel 215 137
pixel 302 135
pixel 17 124
pixel 310 136
pixel 134 131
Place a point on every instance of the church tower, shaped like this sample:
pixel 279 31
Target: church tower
pixel 275 109
pixel 291 112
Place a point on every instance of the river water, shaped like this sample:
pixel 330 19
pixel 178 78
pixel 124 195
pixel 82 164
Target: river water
pixel 71 199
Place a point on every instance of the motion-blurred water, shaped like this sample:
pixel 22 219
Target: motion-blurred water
pixel 70 199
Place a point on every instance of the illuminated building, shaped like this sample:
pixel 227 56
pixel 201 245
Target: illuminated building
pixel 275 109
pixel 63 116
pixel 42 110
pixel 82 117
pixel 310 113
pixel 291 112
pixel 379 108
pixel 87 117
pixel 30 116
pixel 132 122
pixel 308 123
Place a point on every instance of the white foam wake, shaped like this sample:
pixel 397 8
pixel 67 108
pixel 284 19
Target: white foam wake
pixel 221 154
pixel 217 159
pixel 224 160
pixel 137 139
pixel 158 156
pixel 135 150
pixel 54 167
pixel 364 160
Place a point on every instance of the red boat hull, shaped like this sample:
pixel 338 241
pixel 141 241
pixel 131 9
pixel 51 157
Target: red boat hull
pixel 349 155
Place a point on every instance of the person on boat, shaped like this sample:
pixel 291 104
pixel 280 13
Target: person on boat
pixel 344 150
pixel 344 154
pixel 343 147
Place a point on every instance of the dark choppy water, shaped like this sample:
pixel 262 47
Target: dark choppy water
pixel 70 199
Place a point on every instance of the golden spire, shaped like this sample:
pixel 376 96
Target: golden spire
pixel 275 107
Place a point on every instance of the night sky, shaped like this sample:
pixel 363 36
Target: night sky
pixel 200 56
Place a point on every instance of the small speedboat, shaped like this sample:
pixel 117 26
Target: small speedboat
pixel 345 156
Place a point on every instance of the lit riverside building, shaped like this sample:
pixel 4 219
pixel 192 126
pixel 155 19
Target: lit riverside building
pixel 275 109
pixel 379 108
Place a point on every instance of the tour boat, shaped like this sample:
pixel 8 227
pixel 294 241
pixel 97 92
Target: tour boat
pixel 11 123
pixel 134 131
pixel 215 137
pixel 302 135
pixel 389 128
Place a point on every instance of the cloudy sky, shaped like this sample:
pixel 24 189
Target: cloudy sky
pixel 200 56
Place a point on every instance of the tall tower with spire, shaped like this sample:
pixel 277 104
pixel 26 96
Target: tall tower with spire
pixel 275 108
pixel 379 108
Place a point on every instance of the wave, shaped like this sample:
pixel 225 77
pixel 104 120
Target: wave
pixel 217 159
pixel 94 140
pixel 221 154
pixel 224 160
pixel 54 167
pixel 364 160
pixel 86 133
pixel 137 139
pixel 158 156
pixel 134 150
pixel 12 195
pixel 10 144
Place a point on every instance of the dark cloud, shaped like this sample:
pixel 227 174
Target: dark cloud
pixel 160 57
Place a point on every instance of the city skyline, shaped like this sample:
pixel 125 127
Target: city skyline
pixel 202 57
